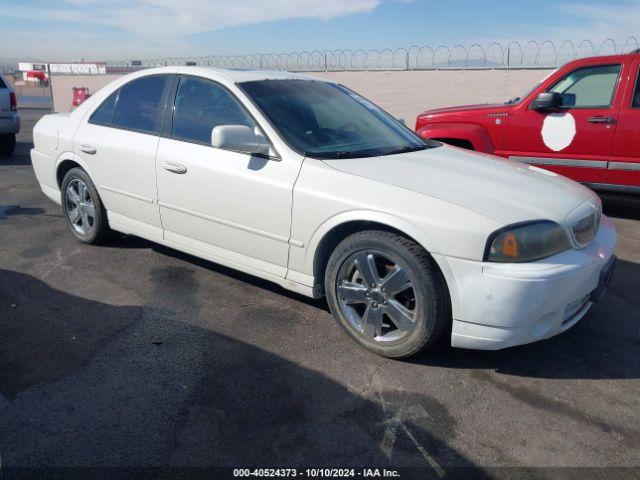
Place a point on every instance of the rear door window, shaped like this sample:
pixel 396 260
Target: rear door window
pixel 104 113
pixel 140 104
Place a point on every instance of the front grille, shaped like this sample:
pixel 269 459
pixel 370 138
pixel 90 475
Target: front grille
pixel 574 308
pixel 585 228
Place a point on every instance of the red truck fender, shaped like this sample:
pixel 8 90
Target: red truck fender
pixel 474 134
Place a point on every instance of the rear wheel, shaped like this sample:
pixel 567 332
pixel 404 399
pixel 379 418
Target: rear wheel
pixel 83 208
pixel 387 293
pixel 7 144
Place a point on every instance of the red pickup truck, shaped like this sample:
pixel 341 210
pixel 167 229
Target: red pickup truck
pixel 582 121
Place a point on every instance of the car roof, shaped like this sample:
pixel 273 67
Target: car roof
pixel 232 75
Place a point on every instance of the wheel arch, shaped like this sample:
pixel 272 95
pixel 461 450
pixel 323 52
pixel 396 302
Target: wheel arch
pixel 336 229
pixel 457 142
pixel 66 162
pixel 476 135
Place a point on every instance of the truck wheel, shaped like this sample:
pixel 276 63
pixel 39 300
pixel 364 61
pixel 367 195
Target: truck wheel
pixel 387 293
pixel 83 208
pixel 7 144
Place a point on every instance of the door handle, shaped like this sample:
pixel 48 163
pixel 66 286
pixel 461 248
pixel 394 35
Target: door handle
pixel 88 149
pixel 175 168
pixel 605 120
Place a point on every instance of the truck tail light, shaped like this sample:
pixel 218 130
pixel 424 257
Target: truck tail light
pixel 13 101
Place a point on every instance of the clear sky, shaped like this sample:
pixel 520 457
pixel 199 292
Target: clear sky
pixel 128 29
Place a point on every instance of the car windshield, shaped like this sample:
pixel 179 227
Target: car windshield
pixel 325 120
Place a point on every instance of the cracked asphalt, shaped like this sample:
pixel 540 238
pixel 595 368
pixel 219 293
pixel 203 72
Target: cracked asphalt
pixel 146 360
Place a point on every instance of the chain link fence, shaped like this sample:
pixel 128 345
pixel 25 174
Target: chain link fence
pixel 517 55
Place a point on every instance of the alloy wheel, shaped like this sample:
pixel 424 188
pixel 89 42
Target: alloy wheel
pixel 80 207
pixel 376 295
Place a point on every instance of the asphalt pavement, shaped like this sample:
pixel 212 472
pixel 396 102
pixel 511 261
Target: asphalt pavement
pixel 140 360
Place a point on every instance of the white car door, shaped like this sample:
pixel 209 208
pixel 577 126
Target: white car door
pixel 118 143
pixel 218 203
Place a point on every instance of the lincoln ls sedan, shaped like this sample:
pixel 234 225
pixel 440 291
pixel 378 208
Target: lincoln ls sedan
pixel 305 183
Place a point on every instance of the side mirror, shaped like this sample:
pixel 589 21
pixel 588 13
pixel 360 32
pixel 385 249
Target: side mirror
pixel 239 138
pixel 547 101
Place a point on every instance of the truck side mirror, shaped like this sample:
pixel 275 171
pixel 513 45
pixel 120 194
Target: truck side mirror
pixel 547 101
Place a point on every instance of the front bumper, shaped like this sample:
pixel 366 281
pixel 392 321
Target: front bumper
pixel 10 124
pixel 502 305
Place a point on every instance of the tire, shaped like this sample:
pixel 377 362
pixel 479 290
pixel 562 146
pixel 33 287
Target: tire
pixel 375 320
pixel 96 229
pixel 7 144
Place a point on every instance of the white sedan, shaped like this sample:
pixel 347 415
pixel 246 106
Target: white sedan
pixel 305 183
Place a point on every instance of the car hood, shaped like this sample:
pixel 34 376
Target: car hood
pixel 464 108
pixel 506 191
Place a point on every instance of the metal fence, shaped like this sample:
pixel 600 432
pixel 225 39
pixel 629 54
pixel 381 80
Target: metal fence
pixel 519 55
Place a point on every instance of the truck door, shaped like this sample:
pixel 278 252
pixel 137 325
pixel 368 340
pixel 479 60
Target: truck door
pixel 624 165
pixel 576 139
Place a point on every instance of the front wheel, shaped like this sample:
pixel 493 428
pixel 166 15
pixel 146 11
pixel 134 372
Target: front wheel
pixel 83 208
pixel 387 293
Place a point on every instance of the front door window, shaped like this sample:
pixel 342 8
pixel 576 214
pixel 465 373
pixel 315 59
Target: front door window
pixel 590 87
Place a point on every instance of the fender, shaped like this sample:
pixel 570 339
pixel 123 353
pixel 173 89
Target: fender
pixel 477 135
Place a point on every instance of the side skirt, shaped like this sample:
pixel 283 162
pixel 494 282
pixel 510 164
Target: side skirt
pixel 153 237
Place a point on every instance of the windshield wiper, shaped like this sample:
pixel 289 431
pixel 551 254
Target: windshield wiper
pixel 344 154
pixel 513 100
pixel 406 149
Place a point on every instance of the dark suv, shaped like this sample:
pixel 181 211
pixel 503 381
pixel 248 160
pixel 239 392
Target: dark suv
pixel 9 118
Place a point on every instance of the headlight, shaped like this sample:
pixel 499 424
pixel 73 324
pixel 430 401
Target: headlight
pixel 526 242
